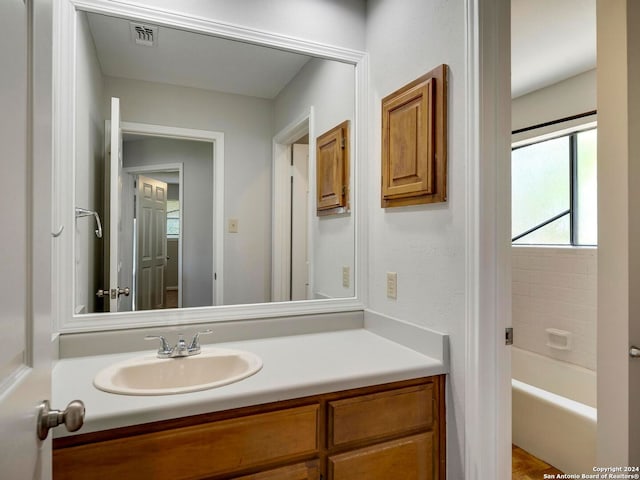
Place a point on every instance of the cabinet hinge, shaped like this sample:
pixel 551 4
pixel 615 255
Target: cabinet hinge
pixel 508 337
pixel 343 143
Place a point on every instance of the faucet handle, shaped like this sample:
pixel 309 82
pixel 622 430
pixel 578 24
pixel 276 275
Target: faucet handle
pixel 165 348
pixel 195 343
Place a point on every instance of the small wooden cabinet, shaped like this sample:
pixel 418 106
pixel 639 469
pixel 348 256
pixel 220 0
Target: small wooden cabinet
pixel 332 171
pixel 414 142
pixel 383 432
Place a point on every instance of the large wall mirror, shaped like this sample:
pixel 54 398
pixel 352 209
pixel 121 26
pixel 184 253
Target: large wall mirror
pixel 193 172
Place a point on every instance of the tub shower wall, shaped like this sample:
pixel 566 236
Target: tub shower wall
pixel 555 288
pixel 554 355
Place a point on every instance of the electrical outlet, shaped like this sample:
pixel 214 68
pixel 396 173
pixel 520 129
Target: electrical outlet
pixel 392 285
pixel 233 225
pixel 346 275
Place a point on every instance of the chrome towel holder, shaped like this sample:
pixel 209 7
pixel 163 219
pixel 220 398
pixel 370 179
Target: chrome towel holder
pixel 83 212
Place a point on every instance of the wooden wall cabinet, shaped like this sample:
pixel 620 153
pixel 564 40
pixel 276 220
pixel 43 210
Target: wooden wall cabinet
pixel 374 433
pixel 414 142
pixel 332 170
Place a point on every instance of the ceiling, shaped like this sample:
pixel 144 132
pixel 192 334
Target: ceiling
pixel 551 40
pixel 193 60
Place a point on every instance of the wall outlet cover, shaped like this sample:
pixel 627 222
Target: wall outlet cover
pixel 392 285
pixel 346 276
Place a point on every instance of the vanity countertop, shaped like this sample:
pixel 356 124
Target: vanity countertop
pixel 294 366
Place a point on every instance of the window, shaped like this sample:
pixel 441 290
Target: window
pixel 554 191
pixel 173 218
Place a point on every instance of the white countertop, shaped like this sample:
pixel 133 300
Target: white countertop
pixel 294 367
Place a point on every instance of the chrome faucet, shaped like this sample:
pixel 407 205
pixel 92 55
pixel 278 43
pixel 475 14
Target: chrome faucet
pixel 181 349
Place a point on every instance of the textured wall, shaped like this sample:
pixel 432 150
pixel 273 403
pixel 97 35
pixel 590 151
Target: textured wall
pixel 424 244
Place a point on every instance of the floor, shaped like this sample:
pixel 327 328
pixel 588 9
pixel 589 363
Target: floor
pixel 528 467
pixel 171 299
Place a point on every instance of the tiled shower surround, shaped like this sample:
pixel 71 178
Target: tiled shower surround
pixel 556 288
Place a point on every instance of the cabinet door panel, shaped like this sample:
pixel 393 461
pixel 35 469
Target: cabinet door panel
pixel 408 458
pixel 209 449
pixel 380 415
pixel 299 471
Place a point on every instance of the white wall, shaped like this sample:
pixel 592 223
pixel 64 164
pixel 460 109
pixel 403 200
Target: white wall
pixel 572 96
pixel 328 86
pixel 89 167
pixel 336 22
pixel 425 244
pixel 247 125
pixel 197 209
pixel 556 287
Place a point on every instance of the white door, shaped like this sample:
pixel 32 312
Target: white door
pixel 618 79
pixel 25 253
pixel 299 223
pixel 126 241
pixel 117 231
pixel 151 262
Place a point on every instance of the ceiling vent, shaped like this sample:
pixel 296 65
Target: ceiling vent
pixel 142 34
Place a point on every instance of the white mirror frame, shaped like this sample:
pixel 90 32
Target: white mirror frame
pixel 64 69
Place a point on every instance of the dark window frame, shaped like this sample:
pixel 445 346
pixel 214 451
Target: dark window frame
pixel 573 182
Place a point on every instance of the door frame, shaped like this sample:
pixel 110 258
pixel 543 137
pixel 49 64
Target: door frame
pixel 281 202
pixel 487 397
pixel 168 167
pixel 217 139
pixel 618 325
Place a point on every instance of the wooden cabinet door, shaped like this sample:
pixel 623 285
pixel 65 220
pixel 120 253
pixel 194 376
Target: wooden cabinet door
pixel 379 415
pixel 332 170
pixel 300 471
pixel 200 451
pixel 409 458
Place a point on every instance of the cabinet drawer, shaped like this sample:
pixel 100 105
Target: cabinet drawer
pixel 207 450
pixel 409 458
pixel 380 415
pixel 300 471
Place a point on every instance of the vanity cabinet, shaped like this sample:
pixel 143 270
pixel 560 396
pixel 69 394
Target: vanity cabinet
pixel 388 431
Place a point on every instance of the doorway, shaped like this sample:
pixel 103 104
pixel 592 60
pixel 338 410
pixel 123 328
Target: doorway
pixel 293 173
pixel 188 232
pixel 554 251
pixel 156 227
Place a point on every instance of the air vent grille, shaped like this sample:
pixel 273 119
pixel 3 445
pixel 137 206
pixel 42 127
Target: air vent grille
pixel 142 34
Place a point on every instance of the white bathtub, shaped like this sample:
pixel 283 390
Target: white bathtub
pixel 554 411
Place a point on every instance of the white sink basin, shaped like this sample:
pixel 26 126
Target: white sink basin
pixel 149 375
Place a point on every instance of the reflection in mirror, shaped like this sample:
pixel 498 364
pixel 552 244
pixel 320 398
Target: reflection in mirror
pixel 183 237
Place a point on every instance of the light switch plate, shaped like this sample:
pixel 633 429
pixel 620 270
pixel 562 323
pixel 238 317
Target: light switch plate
pixel 233 225
pixel 345 276
pixel 392 285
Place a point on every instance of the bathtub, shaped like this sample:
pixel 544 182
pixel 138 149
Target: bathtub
pixel 554 411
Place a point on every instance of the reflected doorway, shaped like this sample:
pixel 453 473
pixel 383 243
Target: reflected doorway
pixel 291 247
